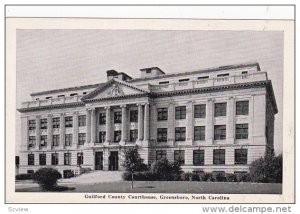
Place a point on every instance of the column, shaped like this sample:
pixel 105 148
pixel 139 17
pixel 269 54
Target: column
pixel 146 122
pixel 75 130
pixel 140 122
pixel 189 123
pixel 49 131
pixel 93 125
pixel 124 124
pixel 88 126
pixel 38 131
pixel 108 125
pixel 62 130
pixel 251 119
pixel 209 121
pixel 230 125
pixel 171 123
pixel 24 135
pixel 153 122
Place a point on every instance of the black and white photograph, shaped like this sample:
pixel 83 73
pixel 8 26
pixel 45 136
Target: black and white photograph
pixel 144 111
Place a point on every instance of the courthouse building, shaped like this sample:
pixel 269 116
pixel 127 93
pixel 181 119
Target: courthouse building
pixel 217 119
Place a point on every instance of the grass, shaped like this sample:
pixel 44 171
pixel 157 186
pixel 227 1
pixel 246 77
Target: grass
pixel 170 187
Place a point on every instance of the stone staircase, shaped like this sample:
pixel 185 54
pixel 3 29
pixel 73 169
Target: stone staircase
pixel 94 177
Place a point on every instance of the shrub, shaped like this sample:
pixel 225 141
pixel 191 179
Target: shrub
pixel 166 171
pixel 231 177
pixel 187 176
pixel 207 176
pixel 69 173
pixel 219 177
pixel 195 177
pixel 24 177
pixel 84 170
pixel 139 176
pixel 133 161
pixel 46 178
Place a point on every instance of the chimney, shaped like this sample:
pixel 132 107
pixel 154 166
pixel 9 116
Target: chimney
pixel 151 72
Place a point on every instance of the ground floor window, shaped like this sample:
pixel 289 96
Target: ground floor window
pixel 198 157
pixel 42 159
pixel 219 156
pixel 79 158
pixel 179 155
pixel 54 158
pixel 67 159
pixel 161 154
pixel 31 159
pixel 240 156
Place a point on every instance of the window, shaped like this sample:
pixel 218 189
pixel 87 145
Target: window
pixel 134 116
pixel 81 138
pixel 74 94
pixel 47 98
pixel 219 156
pixel 30 159
pixel 179 156
pixel 223 75
pixel 68 139
pixel 183 80
pixel 42 159
pixel 43 141
pixel 200 111
pixel 162 135
pixel 162 114
pixel 164 82
pixel 102 118
pixel 117 136
pixel 199 133
pixel 220 132
pixel 118 117
pixel 241 131
pixel 244 72
pixel 31 124
pixel 198 157
pixel 55 141
pixel 43 123
pixel 133 135
pixel 61 96
pixel 81 120
pixel 67 159
pixel 84 92
pixel 148 71
pixel 55 122
pixel 30 171
pixel 161 154
pixel 17 161
pixel 68 121
pixel 242 107
pixel 54 158
pixel 202 78
pixel 180 112
pixel 220 109
pixel 180 134
pixel 102 137
pixel 240 156
pixel 79 158
pixel 32 141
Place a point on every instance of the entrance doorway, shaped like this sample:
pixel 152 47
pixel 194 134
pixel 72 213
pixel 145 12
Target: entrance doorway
pixel 98 160
pixel 113 161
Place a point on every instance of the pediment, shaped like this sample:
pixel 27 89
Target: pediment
pixel 114 88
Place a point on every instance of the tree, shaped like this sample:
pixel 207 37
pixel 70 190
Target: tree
pixel 133 163
pixel 47 178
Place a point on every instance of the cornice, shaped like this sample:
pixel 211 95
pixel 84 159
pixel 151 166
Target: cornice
pixel 37 108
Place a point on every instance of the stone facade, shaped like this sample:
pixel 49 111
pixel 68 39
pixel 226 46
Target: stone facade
pixel 219 119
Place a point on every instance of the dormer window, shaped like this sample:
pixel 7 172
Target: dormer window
pixel 223 75
pixel 148 71
pixel 202 78
pixel 183 80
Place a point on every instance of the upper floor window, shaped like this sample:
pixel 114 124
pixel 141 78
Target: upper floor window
pixel 61 96
pixel 223 75
pixel 133 116
pixel 55 141
pixel 240 156
pixel 54 158
pixel 179 155
pixel 202 78
pixel 55 122
pixel 164 82
pixel 220 132
pixel 198 157
pixel 242 107
pixel 47 98
pixel 200 111
pixel 73 94
pixel 81 120
pixel 102 118
pixel 118 117
pixel 160 154
pixel 68 139
pixel 81 138
pixel 162 135
pixel 199 133
pixel 133 135
pixel 31 124
pixel 68 121
pixel 219 157
pixel 180 112
pixel 30 159
pixel 241 131
pixel 42 158
pixel 117 136
pixel 43 140
pixel 67 158
pixel 244 72
pixel 180 134
pixel 162 114
pixel 43 123
pixel 183 80
pixel 32 141
pixel 220 109
pixel 102 137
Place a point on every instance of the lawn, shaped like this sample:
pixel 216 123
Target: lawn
pixel 169 187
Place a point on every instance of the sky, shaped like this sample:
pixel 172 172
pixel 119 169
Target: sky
pixel 52 59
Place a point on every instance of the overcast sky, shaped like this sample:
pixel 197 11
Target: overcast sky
pixel 51 59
